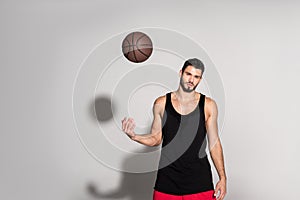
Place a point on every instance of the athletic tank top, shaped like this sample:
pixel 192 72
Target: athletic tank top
pixel 183 166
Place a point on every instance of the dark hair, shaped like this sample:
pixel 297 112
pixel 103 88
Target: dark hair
pixel 195 62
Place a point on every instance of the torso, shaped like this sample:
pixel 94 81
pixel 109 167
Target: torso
pixel 184 167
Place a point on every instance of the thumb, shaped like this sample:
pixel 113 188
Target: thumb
pixel 216 190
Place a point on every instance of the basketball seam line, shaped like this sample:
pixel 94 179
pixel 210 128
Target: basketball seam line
pixel 133 48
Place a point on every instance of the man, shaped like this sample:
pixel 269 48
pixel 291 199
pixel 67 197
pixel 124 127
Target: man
pixel 182 120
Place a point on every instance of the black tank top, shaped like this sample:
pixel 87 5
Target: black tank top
pixel 183 167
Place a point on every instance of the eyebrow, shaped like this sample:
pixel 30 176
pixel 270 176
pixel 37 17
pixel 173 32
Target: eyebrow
pixel 191 74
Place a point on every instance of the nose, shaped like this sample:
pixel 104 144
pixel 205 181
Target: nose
pixel 191 79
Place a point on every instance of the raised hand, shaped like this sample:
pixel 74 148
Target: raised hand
pixel 128 126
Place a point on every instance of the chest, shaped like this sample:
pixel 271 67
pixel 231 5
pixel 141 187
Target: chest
pixel 184 108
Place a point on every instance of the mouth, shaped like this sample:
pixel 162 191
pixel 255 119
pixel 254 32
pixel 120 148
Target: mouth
pixel 189 84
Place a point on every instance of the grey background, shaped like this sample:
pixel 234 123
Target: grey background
pixel 254 45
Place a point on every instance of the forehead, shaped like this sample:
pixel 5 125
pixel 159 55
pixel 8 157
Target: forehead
pixel 191 69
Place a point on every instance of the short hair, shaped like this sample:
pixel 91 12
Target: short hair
pixel 195 62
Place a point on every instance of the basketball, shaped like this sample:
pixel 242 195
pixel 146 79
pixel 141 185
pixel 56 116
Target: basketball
pixel 137 47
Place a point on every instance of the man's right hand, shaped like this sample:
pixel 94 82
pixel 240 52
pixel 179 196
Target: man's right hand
pixel 128 126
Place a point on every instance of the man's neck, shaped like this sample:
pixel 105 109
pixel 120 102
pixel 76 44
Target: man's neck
pixel 185 96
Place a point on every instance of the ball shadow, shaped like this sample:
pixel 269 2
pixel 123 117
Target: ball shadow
pixel 101 109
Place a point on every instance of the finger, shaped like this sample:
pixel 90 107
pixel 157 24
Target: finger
pixel 216 191
pixel 123 123
pixel 130 127
pixel 132 124
pixel 130 120
pixel 127 125
pixel 218 194
pixel 221 195
pixel 124 126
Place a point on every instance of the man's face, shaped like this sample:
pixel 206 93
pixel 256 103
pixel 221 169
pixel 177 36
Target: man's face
pixel 190 78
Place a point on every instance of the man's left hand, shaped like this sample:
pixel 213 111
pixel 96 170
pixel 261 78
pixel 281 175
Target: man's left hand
pixel 220 187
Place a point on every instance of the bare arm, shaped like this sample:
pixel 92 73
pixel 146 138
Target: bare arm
pixel 215 146
pixel 155 136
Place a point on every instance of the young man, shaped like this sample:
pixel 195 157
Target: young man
pixel 182 120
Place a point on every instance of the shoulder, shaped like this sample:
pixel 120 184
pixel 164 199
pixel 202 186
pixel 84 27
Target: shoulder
pixel 160 100
pixel 210 105
pixel 209 101
pixel 159 104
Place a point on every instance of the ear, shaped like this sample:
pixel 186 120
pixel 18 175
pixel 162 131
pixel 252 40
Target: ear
pixel 180 72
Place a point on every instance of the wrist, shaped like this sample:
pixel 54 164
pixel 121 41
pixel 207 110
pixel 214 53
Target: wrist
pixel 223 178
pixel 133 137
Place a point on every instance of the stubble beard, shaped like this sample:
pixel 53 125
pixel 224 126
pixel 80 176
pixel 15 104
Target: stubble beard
pixel 186 89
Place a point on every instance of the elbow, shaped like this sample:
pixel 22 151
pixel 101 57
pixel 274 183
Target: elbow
pixel 156 139
pixel 156 143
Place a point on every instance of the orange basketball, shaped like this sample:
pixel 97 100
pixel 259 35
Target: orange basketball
pixel 137 47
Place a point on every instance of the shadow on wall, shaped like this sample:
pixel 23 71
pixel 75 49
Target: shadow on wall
pixel 100 109
pixel 133 186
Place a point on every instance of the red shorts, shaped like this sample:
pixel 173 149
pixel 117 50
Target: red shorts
pixel 208 195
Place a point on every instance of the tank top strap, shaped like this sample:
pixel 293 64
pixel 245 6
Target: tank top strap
pixel 168 99
pixel 201 101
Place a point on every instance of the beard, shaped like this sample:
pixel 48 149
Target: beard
pixel 186 88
